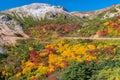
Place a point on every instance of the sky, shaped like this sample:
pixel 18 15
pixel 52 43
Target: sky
pixel 70 5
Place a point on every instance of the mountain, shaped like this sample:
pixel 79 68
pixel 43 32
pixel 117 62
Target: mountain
pixel 55 21
pixel 38 10
pixel 107 12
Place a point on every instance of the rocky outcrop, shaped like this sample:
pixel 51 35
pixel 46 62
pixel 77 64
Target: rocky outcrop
pixel 10 30
pixel 114 11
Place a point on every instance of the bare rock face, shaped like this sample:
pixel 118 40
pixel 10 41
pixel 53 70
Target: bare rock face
pixel 10 30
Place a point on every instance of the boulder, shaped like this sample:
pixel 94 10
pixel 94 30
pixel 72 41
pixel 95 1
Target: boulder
pixel 1 50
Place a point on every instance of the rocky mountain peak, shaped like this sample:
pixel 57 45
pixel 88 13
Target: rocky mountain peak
pixel 40 5
pixel 36 10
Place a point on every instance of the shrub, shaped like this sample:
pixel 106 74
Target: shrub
pixel 108 70
pixel 78 71
pixel 105 70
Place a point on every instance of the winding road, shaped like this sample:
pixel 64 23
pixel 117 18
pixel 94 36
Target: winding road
pixel 91 38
